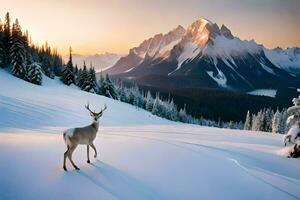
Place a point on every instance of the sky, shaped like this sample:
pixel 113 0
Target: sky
pixel 98 26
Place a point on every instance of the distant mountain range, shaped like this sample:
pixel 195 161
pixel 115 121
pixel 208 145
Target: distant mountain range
pixel 99 61
pixel 206 55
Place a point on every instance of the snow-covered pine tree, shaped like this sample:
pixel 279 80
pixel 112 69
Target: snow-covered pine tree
pixel 35 73
pixel 90 83
pixel 122 91
pixel 107 88
pixel 82 76
pixel 293 112
pixel 17 52
pixel 276 122
pixel 183 117
pixel 149 101
pixel 257 121
pixel 68 77
pixel 248 122
pixel 171 111
pixel 268 120
pixel 46 61
pixel 155 108
pixel 138 99
pixel 283 126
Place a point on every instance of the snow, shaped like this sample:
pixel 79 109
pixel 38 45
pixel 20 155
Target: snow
pixel 268 69
pixel 166 49
pixel 224 47
pixel 264 92
pixel 190 51
pixel 130 69
pixel 220 78
pixel 101 62
pixel 288 59
pixel 141 156
pixel 294 132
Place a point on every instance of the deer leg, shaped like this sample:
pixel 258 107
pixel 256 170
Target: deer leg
pixel 65 157
pixel 70 156
pixel 88 154
pixel 93 146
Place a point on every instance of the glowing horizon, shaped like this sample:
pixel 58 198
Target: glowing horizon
pixel 115 26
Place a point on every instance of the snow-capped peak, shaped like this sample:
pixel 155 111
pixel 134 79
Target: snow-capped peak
pixel 198 32
pixel 152 46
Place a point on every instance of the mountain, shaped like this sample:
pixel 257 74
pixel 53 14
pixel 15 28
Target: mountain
pixel 204 55
pixel 287 59
pixel 152 48
pixel 99 61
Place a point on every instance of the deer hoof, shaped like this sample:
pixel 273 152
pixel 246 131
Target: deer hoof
pixel 88 161
pixel 77 168
pixel 65 168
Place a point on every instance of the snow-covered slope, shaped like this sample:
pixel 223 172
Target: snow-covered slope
pixel 288 59
pixel 101 62
pixel 140 156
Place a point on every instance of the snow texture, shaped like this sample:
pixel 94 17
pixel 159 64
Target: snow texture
pixel 141 156
pixel 288 59
pixel 264 92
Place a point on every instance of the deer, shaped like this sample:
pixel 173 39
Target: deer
pixel 82 135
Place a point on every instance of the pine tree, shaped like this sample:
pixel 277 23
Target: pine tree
pixel 35 74
pixel 7 40
pixel 248 124
pixel 284 127
pixel 276 122
pixel 138 98
pixel 268 120
pixel 107 88
pixel 171 111
pixel 293 112
pixel 90 84
pixel 76 70
pixel 155 108
pixel 182 115
pixel 17 52
pixel 257 121
pixel 68 73
pixel 149 101
pixel 1 45
pixel 82 77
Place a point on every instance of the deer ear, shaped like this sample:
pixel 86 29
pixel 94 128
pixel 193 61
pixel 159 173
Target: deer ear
pixel 91 114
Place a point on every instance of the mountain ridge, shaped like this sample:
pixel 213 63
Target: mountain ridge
pixel 210 55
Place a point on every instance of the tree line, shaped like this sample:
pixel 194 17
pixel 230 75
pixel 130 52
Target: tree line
pixel 24 59
pixel 279 121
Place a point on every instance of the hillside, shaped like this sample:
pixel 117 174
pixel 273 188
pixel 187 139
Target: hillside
pixel 141 156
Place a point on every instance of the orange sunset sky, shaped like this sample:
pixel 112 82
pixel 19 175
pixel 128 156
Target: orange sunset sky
pixel 91 26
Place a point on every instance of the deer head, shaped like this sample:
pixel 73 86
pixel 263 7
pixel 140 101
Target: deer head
pixel 94 114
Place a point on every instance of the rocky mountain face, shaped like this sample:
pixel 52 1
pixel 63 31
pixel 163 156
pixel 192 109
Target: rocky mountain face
pixel 204 55
pixel 152 48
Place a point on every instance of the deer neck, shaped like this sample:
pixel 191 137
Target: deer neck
pixel 95 125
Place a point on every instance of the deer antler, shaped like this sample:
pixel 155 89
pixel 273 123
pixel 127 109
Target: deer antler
pixel 102 109
pixel 88 108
